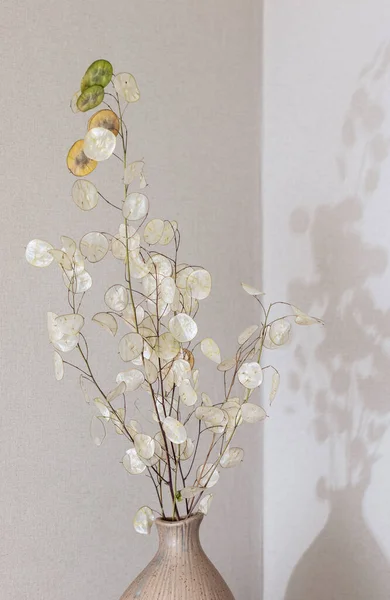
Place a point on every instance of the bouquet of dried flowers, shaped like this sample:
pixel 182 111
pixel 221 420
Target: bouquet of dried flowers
pixel 153 311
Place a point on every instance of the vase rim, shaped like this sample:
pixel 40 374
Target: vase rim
pixel 170 524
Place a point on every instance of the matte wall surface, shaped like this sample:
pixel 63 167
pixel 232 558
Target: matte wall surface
pixel 326 210
pixel 66 507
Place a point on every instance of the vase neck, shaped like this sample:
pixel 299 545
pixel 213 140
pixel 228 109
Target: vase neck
pixel 178 536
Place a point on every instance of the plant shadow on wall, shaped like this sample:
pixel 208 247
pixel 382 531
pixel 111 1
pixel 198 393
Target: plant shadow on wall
pixel 351 411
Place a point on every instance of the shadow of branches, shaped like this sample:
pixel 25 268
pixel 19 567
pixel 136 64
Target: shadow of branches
pixel 351 410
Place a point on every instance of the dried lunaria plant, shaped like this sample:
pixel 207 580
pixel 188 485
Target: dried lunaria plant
pixel 152 311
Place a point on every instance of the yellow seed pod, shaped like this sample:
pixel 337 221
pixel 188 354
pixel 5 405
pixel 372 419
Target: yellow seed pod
pixel 189 357
pixel 105 118
pixel 78 163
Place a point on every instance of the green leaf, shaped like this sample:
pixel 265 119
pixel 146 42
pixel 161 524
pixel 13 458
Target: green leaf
pixel 98 73
pixel 90 98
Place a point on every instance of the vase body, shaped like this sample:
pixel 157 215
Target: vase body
pixel 180 570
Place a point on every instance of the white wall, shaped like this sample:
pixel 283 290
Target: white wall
pixel 66 507
pixel 326 248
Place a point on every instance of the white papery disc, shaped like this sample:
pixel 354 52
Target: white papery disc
pixel 153 231
pixel 99 143
pixel 37 253
pixel 116 297
pixel 131 346
pixel 207 476
pixel 126 86
pixel 250 375
pixel 132 378
pixel 85 194
pixel 211 350
pixel 174 430
pixel 135 207
pixel 199 284
pixel 252 413
pixel 94 246
pixel 132 462
pixel 143 520
pixel 183 327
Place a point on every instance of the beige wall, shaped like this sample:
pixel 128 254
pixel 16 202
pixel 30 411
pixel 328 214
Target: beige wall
pixel 326 248
pixel 66 507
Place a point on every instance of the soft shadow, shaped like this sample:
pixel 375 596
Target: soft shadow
pixel 351 409
pixel 345 561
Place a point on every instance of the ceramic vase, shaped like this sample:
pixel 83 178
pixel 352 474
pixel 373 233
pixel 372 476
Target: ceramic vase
pixel 180 569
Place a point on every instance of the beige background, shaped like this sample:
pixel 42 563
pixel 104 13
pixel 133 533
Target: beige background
pixel 66 507
pixel 326 209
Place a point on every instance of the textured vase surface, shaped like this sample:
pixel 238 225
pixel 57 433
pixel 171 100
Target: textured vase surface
pixel 180 570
